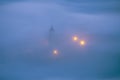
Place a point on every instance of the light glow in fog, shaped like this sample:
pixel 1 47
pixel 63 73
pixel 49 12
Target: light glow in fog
pixel 75 38
pixel 82 42
pixel 55 52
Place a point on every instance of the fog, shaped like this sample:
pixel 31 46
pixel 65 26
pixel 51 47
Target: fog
pixel 25 50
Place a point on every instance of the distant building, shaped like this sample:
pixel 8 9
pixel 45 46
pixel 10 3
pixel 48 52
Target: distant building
pixel 51 37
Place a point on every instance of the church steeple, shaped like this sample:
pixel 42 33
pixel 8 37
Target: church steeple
pixel 51 34
pixel 52 29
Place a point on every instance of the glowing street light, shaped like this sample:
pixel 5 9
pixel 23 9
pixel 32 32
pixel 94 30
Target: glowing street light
pixel 55 52
pixel 75 38
pixel 82 42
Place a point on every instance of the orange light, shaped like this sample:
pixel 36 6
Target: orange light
pixel 75 38
pixel 55 52
pixel 82 42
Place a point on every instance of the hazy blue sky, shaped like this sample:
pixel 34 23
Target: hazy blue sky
pixel 24 26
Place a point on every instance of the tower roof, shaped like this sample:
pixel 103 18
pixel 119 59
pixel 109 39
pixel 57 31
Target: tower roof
pixel 52 29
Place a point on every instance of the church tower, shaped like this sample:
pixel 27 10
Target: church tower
pixel 51 35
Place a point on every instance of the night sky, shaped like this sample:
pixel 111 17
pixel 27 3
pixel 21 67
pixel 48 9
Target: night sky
pixel 26 51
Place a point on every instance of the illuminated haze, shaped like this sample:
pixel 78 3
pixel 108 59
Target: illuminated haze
pixel 25 51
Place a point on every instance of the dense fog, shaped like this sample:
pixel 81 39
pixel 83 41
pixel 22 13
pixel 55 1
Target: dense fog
pixel 26 51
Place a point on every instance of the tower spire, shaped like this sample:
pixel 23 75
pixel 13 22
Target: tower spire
pixel 51 34
pixel 52 29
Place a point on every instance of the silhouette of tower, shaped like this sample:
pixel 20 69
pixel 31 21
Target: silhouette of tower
pixel 51 35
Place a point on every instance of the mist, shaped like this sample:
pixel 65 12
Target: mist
pixel 25 50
